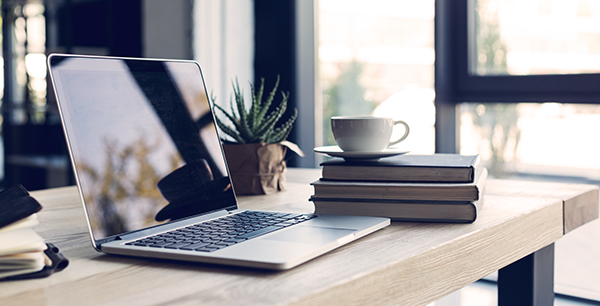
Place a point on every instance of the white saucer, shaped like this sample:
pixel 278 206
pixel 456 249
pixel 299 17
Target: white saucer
pixel 335 151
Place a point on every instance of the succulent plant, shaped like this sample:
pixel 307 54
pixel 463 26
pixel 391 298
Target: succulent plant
pixel 254 125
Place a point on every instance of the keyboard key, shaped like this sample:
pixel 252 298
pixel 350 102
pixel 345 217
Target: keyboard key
pixel 205 250
pixel 194 246
pixel 161 244
pixel 235 239
pixel 177 245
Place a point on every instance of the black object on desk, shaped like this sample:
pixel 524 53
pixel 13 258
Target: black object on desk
pixel 59 263
pixel 16 204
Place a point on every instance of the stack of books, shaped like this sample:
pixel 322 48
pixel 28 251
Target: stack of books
pixel 21 248
pixel 424 188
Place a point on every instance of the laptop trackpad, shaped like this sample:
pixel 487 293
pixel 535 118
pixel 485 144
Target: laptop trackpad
pixel 310 234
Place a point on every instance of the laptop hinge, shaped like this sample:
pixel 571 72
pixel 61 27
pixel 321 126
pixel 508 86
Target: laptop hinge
pixel 102 241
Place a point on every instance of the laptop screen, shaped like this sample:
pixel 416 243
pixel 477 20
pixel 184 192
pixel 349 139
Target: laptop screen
pixel 142 139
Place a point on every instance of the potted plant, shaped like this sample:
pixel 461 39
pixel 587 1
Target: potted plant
pixel 257 146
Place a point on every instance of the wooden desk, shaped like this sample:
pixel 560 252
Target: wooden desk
pixel 403 264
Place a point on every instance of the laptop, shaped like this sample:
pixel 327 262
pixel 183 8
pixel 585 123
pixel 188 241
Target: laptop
pixel 152 176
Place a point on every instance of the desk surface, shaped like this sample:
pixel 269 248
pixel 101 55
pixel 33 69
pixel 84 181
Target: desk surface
pixel 405 263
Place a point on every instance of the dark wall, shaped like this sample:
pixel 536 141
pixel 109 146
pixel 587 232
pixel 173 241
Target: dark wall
pixel 274 47
pixel 113 25
pixel 35 150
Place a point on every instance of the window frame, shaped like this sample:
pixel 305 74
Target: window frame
pixel 564 88
pixel 454 83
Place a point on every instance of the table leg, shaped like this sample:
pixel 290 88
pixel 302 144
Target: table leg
pixel 528 281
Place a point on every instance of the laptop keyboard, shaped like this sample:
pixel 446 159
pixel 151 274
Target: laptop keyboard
pixel 219 233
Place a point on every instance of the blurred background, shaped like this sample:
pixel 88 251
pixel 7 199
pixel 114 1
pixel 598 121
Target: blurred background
pixel 513 81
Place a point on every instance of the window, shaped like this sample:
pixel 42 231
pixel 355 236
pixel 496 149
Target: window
pixel 376 58
pixel 223 44
pixel 536 37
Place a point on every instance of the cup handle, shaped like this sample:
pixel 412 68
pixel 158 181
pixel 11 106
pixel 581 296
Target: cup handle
pixel 406 131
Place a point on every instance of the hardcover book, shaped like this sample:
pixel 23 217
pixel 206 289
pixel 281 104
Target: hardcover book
pixel 447 168
pixel 371 190
pixel 416 211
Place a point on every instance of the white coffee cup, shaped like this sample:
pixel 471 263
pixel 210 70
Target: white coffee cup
pixel 365 133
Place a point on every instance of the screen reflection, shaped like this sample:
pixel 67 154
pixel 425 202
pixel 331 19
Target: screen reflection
pixel 143 141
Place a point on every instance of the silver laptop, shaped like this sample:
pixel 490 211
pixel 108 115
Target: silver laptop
pixel 152 177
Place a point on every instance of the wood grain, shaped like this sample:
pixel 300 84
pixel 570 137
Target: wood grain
pixel 580 200
pixel 403 264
